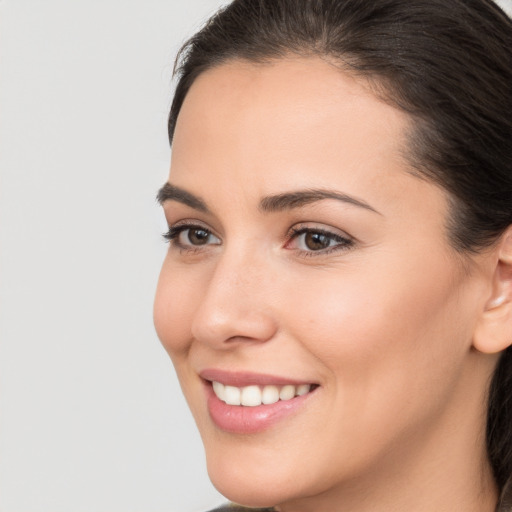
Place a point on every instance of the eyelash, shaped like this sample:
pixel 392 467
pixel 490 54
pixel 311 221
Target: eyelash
pixel 343 243
pixel 172 236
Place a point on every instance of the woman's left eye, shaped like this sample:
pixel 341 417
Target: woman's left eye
pixel 311 240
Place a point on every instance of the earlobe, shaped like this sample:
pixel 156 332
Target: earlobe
pixel 493 331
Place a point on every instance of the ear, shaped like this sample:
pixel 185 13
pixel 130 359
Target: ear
pixel 493 332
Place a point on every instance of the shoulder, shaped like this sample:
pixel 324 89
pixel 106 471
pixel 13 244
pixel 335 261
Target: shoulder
pixel 237 508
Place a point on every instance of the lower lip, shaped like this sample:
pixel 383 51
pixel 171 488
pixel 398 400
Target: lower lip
pixel 238 419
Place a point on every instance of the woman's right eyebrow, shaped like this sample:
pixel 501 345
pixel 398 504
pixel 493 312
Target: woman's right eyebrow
pixel 173 193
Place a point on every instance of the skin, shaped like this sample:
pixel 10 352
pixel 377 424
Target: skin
pixel 385 325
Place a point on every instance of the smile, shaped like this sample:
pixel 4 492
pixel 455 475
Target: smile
pixel 253 396
pixel 248 403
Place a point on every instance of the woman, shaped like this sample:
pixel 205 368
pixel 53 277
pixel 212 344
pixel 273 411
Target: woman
pixel 337 295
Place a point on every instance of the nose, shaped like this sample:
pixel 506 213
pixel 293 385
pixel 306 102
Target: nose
pixel 237 304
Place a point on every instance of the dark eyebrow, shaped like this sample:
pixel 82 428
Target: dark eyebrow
pixel 290 200
pixel 173 193
pixel 275 203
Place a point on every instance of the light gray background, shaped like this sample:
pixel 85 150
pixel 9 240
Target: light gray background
pixel 91 416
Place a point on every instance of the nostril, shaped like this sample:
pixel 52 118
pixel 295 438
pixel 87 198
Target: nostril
pixel 225 327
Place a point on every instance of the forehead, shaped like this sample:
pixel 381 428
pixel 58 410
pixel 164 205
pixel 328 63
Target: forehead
pixel 260 129
pixel 242 108
pixel 291 94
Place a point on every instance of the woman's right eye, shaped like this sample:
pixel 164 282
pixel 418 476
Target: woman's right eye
pixel 191 237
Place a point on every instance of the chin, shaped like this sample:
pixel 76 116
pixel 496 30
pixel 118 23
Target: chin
pixel 245 491
pixel 252 482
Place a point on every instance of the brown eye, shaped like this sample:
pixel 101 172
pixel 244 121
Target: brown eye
pixel 192 236
pixel 197 236
pixel 187 237
pixel 317 241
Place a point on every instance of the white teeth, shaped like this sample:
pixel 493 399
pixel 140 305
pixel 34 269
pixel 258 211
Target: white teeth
pixel 252 396
pixel 270 395
pixel 218 387
pixel 303 389
pixel 287 392
pixel 231 395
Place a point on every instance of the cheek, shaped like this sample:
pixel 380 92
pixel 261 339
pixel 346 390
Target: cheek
pixel 384 337
pixel 176 300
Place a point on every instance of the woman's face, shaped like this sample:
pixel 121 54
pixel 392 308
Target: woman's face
pixel 305 258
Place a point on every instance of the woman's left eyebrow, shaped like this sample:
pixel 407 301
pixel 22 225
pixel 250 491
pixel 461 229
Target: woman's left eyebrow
pixel 297 199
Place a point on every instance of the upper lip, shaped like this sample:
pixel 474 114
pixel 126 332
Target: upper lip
pixel 242 379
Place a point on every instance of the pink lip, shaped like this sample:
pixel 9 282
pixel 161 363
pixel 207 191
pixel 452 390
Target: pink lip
pixel 241 379
pixel 249 420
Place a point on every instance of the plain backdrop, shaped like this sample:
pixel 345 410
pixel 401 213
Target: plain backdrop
pixel 91 416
